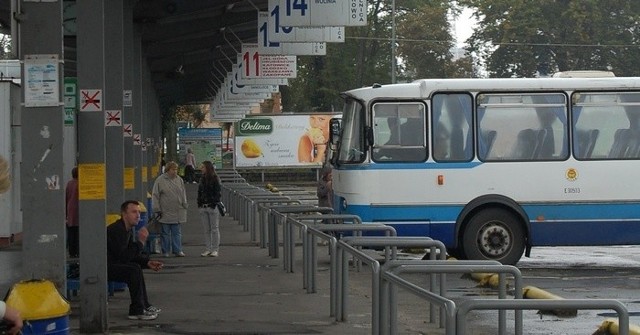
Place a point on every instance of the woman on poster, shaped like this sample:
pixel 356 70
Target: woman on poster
pixel 313 143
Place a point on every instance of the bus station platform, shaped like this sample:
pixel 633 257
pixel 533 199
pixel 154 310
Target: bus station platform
pixel 243 291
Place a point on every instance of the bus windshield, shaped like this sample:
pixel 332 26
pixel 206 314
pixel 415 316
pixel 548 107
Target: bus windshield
pixel 351 146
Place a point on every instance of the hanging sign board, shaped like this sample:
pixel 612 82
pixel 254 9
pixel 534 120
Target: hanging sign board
pixel 256 65
pixel 279 33
pixel 315 13
pixel 268 47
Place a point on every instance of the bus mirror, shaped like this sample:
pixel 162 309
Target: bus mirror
pixel 334 131
pixel 368 133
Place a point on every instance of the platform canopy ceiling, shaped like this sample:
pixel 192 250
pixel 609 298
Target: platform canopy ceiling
pixel 182 40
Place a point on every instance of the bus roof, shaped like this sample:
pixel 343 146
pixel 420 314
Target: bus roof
pixel 424 88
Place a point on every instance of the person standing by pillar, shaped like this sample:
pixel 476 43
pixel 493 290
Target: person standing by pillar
pixel 73 215
pixel 190 167
pixel 209 193
pixel 169 200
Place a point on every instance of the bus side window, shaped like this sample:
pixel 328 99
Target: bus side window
pixel 452 133
pixel 399 132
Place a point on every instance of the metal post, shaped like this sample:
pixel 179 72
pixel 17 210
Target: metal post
pixel 393 41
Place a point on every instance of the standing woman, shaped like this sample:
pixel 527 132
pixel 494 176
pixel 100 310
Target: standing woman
pixel 170 201
pixel 190 167
pixel 209 191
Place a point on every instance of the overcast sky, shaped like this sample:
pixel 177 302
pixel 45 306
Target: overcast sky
pixel 463 27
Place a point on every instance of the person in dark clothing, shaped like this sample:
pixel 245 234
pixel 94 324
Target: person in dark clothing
pixel 209 193
pixel 73 215
pixel 125 260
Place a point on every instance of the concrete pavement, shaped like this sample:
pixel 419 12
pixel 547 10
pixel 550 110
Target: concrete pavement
pixel 243 291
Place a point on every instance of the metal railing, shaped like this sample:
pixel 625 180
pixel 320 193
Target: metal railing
pixel 310 265
pixel 255 206
pixel 544 304
pixel 278 215
pixel 392 271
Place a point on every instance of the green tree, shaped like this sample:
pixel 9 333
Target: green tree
pixel 425 40
pixel 195 114
pixel 520 38
pixel 5 46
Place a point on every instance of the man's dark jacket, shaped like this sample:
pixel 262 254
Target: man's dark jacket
pixel 121 248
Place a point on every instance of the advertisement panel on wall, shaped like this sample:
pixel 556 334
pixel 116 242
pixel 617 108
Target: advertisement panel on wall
pixel 206 144
pixel 282 140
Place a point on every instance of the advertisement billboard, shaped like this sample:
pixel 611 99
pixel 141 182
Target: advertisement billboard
pixel 206 144
pixel 282 140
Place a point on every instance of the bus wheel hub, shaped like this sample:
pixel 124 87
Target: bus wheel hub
pixel 494 240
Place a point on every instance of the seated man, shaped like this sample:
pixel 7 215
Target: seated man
pixel 125 260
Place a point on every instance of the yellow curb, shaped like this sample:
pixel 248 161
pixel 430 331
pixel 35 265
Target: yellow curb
pixel 610 327
pixel 532 292
pixel 486 279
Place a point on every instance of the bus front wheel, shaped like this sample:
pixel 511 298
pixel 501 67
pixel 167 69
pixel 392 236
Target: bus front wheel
pixel 495 234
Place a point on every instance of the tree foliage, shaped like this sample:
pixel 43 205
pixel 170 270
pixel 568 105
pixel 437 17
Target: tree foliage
pixel 520 38
pixel 196 114
pixel 425 39
pixel 5 46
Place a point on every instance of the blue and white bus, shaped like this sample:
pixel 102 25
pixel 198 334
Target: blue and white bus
pixel 493 167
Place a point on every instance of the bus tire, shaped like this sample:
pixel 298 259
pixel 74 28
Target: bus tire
pixel 495 234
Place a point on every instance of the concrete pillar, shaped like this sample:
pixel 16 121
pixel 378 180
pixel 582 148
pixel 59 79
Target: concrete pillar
pixel 91 165
pixel 42 168
pixel 128 99
pixel 114 106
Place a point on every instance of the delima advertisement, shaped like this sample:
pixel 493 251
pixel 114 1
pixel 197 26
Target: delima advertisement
pixel 282 140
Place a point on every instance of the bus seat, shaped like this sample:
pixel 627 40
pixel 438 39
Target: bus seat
pixel 525 146
pixel 593 137
pixel 586 142
pixel 545 144
pixel 412 133
pixel 620 143
pixel 487 138
pixel 633 144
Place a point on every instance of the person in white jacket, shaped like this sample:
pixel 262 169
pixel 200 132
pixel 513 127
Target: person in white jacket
pixel 169 200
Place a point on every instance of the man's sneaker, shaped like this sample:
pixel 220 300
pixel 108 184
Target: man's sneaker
pixel 206 253
pixel 214 254
pixel 146 316
pixel 180 254
pixel 153 309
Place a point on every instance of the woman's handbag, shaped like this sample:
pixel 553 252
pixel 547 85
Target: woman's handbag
pixel 221 208
pixel 154 226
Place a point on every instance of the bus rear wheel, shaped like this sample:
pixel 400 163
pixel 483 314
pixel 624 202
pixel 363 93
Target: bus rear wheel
pixel 495 234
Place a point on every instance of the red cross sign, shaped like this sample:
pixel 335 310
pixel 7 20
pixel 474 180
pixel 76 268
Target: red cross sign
pixel 112 118
pixel 90 100
pixel 127 130
pixel 136 139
